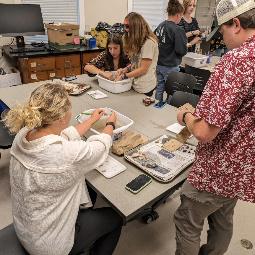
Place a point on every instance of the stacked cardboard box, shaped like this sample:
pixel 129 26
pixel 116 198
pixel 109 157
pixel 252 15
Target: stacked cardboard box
pixel 63 35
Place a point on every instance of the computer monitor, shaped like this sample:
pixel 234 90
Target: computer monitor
pixel 18 20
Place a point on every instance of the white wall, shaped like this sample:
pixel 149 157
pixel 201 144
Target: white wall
pixel 110 11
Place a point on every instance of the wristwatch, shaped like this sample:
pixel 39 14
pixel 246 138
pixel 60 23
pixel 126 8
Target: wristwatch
pixel 183 117
pixel 110 123
pixel 124 77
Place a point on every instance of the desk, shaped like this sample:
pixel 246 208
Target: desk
pixel 44 65
pixel 149 121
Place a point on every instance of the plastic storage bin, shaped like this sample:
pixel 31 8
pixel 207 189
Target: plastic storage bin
pixel 194 59
pixel 115 87
pixel 124 122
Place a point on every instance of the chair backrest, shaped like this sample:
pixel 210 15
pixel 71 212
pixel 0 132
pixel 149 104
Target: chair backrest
pixel 178 81
pixel 180 98
pixel 6 138
pixel 9 242
pixel 201 75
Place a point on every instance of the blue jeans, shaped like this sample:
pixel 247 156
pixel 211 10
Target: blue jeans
pixel 218 52
pixel 162 74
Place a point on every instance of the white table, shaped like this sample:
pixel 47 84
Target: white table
pixel 149 121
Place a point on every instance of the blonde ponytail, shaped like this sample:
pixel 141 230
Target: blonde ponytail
pixel 48 102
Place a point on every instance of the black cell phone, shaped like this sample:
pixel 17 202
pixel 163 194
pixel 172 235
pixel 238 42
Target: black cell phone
pixel 138 183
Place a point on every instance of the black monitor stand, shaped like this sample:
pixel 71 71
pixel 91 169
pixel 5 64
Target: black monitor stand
pixel 20 42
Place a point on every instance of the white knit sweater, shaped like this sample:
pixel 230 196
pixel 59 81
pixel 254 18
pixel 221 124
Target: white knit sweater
pixel 48 185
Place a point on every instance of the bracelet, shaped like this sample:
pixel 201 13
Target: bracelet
pixel 110 123
pixel 99 72
pixel 191 32
pixel 124 76
pixel 183 117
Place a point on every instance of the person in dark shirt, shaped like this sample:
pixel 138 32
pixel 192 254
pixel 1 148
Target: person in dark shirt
pixel 172 45
pixel 190 25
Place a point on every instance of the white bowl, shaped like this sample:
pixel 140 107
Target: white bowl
pixel 115 86
pixel 122 121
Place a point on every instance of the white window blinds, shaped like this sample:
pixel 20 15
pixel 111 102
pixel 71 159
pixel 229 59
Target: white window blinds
pixel 57 10
pixel 153 11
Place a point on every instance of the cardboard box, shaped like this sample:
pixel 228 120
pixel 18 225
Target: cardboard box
pixel 8 80
pixel 63 33
pixel 64 47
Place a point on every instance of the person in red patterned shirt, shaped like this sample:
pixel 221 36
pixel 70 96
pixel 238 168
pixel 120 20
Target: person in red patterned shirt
pixel 224 124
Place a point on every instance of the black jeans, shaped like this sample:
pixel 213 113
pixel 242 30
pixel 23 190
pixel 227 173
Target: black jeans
pixel 149 94
pixel 101 226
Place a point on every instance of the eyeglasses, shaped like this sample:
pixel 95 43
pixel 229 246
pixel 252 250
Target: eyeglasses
pixel 190 5
pixel 126 26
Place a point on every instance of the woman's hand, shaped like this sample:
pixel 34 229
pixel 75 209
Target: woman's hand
pixel 120 71
pixel 112 117
pixel 108 76
pixel 97 114
pixel 196 32
pixel 119 78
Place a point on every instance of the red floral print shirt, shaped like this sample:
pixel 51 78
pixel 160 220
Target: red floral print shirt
pixel 226 165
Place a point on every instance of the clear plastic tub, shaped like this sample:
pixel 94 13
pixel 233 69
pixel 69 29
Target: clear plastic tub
pixel 114 87
pixel 122 125
pixel 194 59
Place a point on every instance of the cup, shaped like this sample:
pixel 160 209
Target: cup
pixel 208 61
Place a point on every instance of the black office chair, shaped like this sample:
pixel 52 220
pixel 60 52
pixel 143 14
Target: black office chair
pixel 6 138
pixel 202 77
pixel 180 98
pixel 178 81
pixel 9 242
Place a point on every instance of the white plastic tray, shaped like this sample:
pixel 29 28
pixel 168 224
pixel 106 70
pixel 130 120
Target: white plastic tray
pixel 194 59
pixel 118 132
pixel 113 86
pixel 111 167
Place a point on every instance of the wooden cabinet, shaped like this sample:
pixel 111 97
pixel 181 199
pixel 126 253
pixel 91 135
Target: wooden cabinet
pixel 73 71
pixel 48 68
pixel 67 61
pixel 56 73
pixel 34 68
pixel 38 76
pixel 40 64
pixel 86 57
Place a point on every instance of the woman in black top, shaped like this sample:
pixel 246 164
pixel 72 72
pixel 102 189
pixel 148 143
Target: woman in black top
pixel 190 25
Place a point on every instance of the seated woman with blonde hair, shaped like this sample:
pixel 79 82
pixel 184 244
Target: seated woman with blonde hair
pixel 47 176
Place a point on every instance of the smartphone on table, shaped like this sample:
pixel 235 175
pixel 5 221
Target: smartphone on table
pixel 138 183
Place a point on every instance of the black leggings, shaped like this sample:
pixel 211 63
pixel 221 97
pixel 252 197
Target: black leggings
pixel 100 226
pixel 149 94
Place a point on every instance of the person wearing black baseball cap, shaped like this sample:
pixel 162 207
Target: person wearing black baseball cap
pixel 224 124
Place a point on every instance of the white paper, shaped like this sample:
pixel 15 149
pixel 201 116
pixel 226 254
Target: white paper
pixel 97 94
pixel 176 128
pixel 111 167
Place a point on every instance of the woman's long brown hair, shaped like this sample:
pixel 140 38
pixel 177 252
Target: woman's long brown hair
pixel 139 32
pixel 123 60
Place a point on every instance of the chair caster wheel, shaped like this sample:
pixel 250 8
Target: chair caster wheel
pixel 150 217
